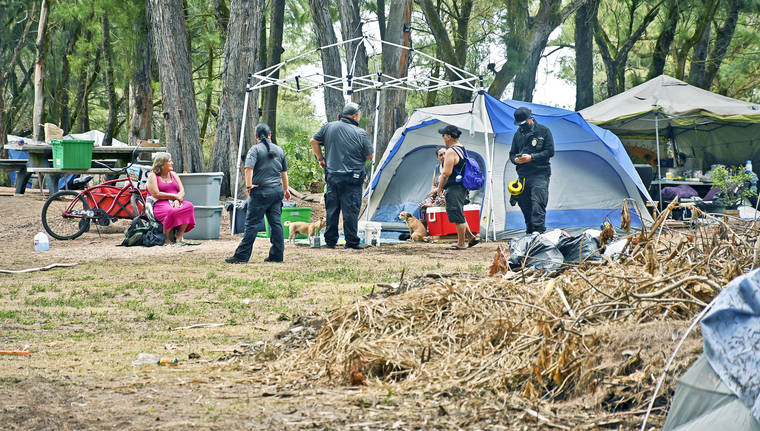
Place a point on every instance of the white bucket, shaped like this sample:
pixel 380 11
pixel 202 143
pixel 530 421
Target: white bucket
pixel 371 232
pixel 315 242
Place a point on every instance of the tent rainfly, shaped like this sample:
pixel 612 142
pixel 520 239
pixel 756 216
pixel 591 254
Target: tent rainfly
pixel 591 172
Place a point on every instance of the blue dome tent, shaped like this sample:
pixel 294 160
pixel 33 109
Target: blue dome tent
pixel 591 172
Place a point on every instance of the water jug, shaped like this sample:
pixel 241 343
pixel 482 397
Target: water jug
pixel 41 242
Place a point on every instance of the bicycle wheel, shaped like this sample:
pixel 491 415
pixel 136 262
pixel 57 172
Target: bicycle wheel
pixel 60 226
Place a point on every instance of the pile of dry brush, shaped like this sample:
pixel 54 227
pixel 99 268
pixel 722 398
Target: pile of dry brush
pixel 527 332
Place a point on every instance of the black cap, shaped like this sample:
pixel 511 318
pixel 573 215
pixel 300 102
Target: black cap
pixel 522 115
pixel 351 108
pixel 450 130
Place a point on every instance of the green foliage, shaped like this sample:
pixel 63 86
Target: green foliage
pixel 733 187
pixel 295 127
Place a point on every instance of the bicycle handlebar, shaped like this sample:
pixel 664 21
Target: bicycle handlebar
pixel 125 168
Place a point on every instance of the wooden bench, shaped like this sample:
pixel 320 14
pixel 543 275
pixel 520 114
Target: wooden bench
pixel 19 166
pixel 13 164
pixel 96 171
pixel 42 171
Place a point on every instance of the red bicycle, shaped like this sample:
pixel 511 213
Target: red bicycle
pixel 68 214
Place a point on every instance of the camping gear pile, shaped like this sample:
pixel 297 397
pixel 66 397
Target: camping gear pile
pixel 587 344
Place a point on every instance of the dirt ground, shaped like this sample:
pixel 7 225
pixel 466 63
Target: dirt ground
pixel 84 325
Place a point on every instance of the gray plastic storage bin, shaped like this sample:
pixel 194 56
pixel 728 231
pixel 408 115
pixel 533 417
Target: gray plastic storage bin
pixel 202 189
pixel 208 220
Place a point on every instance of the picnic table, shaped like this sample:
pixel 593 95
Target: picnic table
pixel 40 153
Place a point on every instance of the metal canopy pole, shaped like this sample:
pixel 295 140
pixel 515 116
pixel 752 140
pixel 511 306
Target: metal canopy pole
pixel 239 153
pixel 374 156
pixel 657 144
pixel 489 168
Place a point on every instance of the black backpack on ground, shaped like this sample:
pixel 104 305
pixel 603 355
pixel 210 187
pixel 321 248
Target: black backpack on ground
pixel 144 231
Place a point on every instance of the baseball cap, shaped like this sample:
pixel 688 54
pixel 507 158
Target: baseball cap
pixel 450 130
pixel 351 108
pixel 522 115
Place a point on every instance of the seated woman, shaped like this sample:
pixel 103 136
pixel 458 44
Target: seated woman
pixel 176 214
pixel 433 200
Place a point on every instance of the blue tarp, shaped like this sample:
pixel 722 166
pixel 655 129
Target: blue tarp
pixel 731 334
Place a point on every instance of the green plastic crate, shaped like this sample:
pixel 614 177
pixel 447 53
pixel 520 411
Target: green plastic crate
pixel 290 214
pixel 72 153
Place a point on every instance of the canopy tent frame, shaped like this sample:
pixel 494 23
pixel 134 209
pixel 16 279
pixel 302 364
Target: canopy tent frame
pixel 348 84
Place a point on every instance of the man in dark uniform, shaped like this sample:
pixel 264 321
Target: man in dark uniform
pixel 347 148
pixel 532 147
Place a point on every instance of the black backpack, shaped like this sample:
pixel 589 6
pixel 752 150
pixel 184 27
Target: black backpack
pixel 144 231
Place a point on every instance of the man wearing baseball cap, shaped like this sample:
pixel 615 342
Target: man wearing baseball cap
pixel 346 149
pixel 532 147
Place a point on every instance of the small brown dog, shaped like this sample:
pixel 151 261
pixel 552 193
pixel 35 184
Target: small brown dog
pixel 417 230
pixel 310 229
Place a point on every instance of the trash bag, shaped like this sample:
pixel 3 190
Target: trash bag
pixel 540 252
pixel 580 248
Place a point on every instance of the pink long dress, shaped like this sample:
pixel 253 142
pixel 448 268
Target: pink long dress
pixel 169 216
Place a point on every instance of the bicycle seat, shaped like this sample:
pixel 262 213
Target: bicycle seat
pixel 80 183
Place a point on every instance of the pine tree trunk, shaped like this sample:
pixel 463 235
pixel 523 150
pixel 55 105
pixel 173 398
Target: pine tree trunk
pixel 177 93
pixel 723 38
pixel 545 21
pixel 110 92
pixel 584 56
pixel 393 102
pixel 698 59
pixel 140 89
pixel 356 54
pixel 274 56
pixel 4 75
pixel 664 40
pixel 322 20
pixel 240 59
pixel 39 72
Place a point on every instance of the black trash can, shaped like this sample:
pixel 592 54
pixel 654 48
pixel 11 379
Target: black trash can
pixel 240 215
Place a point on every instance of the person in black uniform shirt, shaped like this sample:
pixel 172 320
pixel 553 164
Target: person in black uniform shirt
pixel 266 181
pixel 532 147
pixel 347 148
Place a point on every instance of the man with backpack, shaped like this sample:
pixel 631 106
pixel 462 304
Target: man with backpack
pixel 532 147
pixel 452 187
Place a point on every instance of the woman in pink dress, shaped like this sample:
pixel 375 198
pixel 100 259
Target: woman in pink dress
pixel 176 214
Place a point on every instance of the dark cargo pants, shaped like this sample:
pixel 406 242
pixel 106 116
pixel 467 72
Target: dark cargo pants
pixel 344 194
pixel 533 201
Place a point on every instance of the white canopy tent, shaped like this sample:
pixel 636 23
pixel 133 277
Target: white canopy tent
pixel 709 127
pixel 349 84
